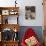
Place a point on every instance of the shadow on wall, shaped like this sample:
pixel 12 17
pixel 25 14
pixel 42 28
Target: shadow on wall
pixel 37 29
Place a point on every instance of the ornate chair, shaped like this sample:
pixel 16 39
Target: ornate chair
pixel 30 38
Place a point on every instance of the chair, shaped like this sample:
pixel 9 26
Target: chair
pixel 28 34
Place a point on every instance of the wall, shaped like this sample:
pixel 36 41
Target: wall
pixel 39 13
pixel 22 21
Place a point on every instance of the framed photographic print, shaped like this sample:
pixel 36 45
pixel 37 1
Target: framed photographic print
pixel 13 12
pixel 5 12
pixel 30 12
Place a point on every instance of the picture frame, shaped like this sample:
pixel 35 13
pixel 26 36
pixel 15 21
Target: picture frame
pixel 13 12
pixel 5 12
pixel 30 12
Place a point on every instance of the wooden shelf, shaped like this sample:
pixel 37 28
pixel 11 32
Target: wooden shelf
pixel 11 26
pixel 5 8
pixel 4 24
pixel 5 12
pixel 10 43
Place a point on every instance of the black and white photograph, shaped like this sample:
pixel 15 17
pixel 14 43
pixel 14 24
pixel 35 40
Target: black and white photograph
pixel 30 12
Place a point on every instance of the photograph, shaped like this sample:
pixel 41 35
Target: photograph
pixel 30 12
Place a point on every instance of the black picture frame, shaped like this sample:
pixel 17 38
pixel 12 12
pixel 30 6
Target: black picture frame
pixel 30 12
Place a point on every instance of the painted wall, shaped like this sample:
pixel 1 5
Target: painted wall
pixel 22 3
